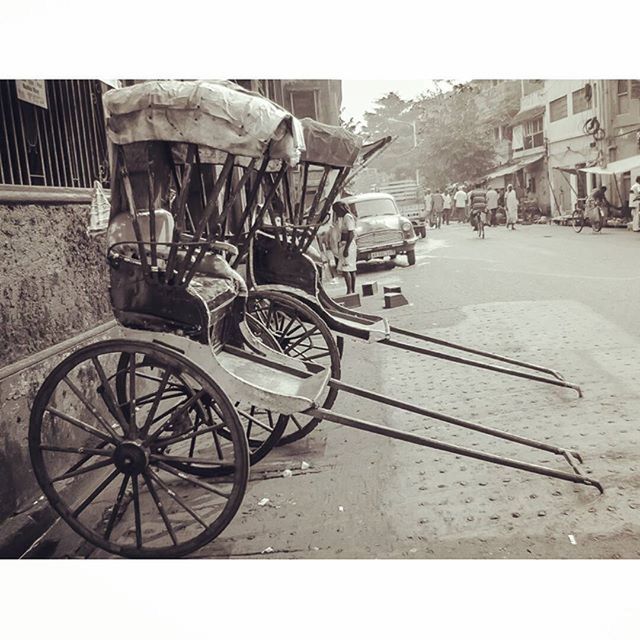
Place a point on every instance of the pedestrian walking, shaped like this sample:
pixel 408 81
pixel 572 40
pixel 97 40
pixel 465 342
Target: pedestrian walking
pixel 437 203
pixel 492 205
pixel 347 249
pixel 478 207
pixel 635 204
pixel 511 202
pixel 446 207
pixel 428 207
pixel 460 201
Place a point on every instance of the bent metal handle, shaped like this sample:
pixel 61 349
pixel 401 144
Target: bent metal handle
pixel 479 352
pixel 396 434
pixel 568 455
pixel 557 380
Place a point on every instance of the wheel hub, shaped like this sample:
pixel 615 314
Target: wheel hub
pixel 131 457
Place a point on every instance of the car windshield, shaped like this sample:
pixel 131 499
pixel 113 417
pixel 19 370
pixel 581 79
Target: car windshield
pixel 381 207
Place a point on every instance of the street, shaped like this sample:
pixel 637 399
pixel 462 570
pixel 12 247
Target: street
pixel 541 293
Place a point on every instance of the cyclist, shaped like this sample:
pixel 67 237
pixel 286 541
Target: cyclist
pixel 478 203
pixel 599 196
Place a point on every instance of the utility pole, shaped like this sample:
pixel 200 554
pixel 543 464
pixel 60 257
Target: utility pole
pixel 411 124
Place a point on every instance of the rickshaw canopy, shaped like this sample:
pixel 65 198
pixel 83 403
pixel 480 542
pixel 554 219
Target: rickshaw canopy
pixel 329 145
pixel 215 115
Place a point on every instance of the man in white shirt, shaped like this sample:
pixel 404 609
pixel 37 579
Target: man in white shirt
pixel 492 205
pixel 634 202
pixel 460 201
pixel 446 210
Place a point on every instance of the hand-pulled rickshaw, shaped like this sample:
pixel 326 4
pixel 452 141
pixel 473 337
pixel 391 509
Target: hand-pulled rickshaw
pixel 143 443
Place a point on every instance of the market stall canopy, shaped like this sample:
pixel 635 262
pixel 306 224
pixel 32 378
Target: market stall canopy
pixel 218 115
pixel 514 166
pixel 619 166
pixel 329 145
pixel 527 114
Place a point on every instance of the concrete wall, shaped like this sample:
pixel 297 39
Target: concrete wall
pixel 53 287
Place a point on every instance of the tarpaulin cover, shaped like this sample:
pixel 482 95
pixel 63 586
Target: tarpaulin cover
pixel 216 114
pixel 513 167
pixel 329 145
pixel 619 166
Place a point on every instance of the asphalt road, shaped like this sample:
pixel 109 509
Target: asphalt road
pixel 540 293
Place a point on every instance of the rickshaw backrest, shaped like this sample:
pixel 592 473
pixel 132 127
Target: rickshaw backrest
pixel 121 230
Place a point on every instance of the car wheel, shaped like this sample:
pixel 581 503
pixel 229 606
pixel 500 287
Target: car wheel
pixel 411 257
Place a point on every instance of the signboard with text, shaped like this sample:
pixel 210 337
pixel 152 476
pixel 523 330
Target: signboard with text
pixel 32 91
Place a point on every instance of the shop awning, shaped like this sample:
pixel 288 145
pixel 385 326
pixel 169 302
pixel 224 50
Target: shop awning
pixel 528 114
pixel 513 167
pixel 619 166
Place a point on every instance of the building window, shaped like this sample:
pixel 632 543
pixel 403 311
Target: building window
pixel 579 101
pixel 496 134
pixel 533 135
pixel 623 96
pixel 61 145
pixel 507 133
pixel 558 109
pixel 304 104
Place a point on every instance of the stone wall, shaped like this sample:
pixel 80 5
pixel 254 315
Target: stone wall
pixel 53 287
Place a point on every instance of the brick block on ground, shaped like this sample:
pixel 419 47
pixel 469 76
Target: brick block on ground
pixel 369 289
pixel 392 300
pixel 392 289
pixel 350 301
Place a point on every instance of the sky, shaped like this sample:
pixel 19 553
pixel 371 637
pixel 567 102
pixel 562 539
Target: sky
pixel 359 96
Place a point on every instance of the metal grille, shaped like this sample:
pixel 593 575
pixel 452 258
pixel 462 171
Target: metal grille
pixel 379 238
pixel 64 145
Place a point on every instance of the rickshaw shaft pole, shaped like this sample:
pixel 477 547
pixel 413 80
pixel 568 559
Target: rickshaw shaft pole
pixel 479 352
pixel 412 408
pixel 404 436
pixel 482 365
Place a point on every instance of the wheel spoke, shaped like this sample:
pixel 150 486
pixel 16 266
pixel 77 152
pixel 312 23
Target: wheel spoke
pixel 80 425
pixel 116 507
pixel 187 436
pixel 172 494
pixel 156 401
pixel 96 492
pixel 188 460
pixel 253 419
pixel 82 450
pixel 108 397
pixel 195 481
pixel 82 470
pixel 136 511
pixel 132 396
pixel 300 427
pixel 91 408
pixel 181 410
pixel 161 511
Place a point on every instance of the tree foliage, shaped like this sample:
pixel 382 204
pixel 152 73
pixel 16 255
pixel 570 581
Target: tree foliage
pixel 454 131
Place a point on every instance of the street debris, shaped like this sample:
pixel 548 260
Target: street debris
pixel 263 502
pixel 340 508
pixel 572 540
pixel 287 473
pixel 267 550
pixel 305 465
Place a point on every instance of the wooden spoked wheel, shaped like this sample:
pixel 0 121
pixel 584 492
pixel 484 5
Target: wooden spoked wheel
pixel 263 428
pixel 128 477
pixel 302 334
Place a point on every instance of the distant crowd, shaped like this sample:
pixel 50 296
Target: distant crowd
pixel 461 203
